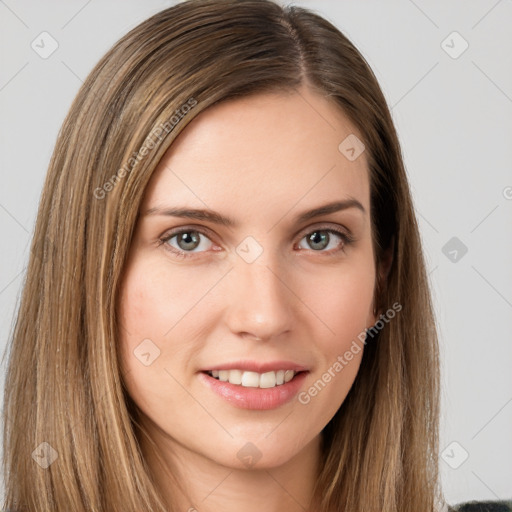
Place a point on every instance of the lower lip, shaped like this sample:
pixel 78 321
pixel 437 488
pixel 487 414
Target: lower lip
pixel 255 398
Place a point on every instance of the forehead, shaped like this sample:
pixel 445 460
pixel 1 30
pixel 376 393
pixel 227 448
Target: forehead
pixel 264 150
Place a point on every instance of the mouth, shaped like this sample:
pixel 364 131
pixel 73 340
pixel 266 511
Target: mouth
pixel 249 389
pixel 251 379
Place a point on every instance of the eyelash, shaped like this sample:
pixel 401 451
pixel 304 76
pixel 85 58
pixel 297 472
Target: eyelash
pixel 347 240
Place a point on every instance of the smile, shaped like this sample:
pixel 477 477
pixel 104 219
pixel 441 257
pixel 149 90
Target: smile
pixel 249 389
pixel 250 379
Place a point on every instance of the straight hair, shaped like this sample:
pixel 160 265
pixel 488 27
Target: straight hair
pixel 64 384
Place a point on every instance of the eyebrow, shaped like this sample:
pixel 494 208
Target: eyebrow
pixel 217 218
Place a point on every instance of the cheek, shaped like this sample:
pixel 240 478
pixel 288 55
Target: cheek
pixel 151 308
pixel 155 300
pixel 344 301
pixel 147 310
pixel 345 308
pixel 158 312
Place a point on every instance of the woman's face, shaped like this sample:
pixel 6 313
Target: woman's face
pixel 216 314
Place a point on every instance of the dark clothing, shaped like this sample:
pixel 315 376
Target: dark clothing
pixel 483 506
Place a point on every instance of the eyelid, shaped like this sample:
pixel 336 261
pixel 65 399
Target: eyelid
pixel 340 230
pixel 180 229
pixel 208 232
pixel 325 226
pixel 171 233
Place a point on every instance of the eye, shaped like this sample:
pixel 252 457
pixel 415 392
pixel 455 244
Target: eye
pixel 186 241
pixel 321 239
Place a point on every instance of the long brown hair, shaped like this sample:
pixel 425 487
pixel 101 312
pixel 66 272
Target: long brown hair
pixel 64 385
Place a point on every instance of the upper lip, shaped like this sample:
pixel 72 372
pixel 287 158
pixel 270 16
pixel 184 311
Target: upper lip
pixel 258 366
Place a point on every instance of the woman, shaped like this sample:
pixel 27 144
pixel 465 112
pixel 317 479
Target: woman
pixel 226 304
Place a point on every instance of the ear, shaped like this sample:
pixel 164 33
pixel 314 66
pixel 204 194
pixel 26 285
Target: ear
pixel 386 261
pixel 383 270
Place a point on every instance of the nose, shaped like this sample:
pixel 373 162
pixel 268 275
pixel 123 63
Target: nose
pixel 260 304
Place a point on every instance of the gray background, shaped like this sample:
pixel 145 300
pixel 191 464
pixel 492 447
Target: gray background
pixel 454 118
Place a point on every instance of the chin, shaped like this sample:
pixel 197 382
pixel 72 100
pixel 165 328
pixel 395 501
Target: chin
pixel 260 453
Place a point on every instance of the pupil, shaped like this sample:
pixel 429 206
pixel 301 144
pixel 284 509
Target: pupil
pixel 319 237
pixel 188 239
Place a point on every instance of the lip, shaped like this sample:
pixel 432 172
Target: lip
pixel 259 367
pixel 260 399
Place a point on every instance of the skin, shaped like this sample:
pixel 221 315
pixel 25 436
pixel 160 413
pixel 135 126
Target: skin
pixel 260 160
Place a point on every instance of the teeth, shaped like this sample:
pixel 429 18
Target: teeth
pixel 235 377
pixel 288 375
pixel 268 380
pixel 254 379
pixel 250 379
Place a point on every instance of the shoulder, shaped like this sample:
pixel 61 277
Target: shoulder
pixel 482 506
